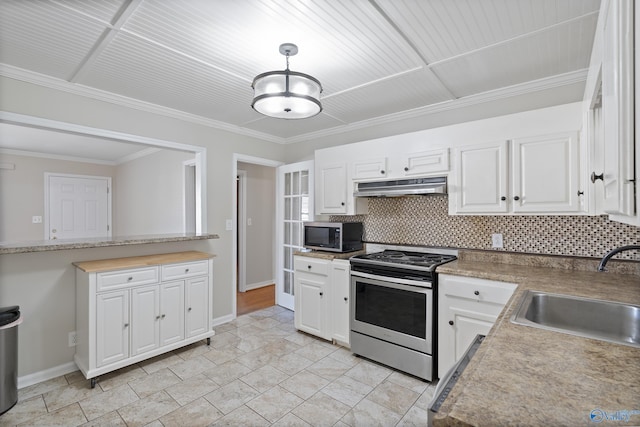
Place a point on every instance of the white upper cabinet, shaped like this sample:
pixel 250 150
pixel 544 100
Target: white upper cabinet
pixel 331 188
pixel 425 162
pixel 538 174
pixel 481 178
pixel 369 169
pixel 618 108
pixel 546 174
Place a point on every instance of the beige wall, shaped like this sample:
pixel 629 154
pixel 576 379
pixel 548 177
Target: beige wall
pixel 261 209
pixel 22 192
pixel 43 284
pixel 149 199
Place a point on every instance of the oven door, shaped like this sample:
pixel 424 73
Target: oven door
pixel 399 313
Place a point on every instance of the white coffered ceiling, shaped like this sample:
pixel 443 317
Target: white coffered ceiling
pixel 378 60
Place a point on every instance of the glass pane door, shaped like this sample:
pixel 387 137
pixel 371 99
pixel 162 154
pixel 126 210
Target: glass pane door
pixel 295 199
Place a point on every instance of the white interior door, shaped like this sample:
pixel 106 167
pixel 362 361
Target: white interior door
pixel 295 205
pixel 77 206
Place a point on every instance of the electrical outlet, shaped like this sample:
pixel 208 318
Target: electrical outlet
pixel 249 222
pixel 36 219
pixel 228 224
pixel 496 241
pixel 73 339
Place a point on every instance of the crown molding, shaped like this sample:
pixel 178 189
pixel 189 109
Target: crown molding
pixel 50 156
pixel 21 74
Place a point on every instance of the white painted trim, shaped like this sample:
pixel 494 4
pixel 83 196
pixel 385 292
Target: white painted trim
pixel 48 175
pixel 223 319
pixel 242 230
pixel 200 152
pixel 186 182
pixel 258 285
pixel 234 203
pixel 12 152
pixel 47 374
pixel 137 155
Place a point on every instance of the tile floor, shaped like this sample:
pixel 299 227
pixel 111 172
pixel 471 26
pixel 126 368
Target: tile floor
pixel 258 371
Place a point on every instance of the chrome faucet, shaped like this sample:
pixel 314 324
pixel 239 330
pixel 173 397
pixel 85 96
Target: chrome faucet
pixel 613 252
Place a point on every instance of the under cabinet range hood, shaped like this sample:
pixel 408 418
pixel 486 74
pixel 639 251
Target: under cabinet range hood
pixel 402 187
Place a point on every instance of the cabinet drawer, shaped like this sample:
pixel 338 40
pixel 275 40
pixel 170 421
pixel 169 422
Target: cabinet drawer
pixel 476 289
pixel 125 278
pixel 184 270
pixel 310 265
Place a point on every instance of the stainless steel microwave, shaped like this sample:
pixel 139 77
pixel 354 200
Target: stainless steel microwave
pixel 333 236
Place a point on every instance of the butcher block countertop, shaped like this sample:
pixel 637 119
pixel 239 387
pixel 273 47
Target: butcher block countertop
pixel 533 377
pixel 329 255
pixel 140 261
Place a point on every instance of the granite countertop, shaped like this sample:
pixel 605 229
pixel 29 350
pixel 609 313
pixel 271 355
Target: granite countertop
pixel 329 255
pixel 57 245
pixel 528 376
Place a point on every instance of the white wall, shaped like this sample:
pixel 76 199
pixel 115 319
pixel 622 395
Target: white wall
pixel 149 199
pixel 22 192
pixel 43 283
pixel 260 237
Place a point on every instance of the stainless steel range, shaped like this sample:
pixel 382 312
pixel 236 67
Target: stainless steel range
pixel 392 311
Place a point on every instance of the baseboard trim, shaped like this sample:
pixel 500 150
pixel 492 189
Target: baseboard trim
pixel 47 374
pixel 259 285
pixel 221 320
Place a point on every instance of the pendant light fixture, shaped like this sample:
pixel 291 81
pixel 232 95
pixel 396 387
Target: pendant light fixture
pixel 286 94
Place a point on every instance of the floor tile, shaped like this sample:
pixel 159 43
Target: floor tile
pixel 304 384
pixel 150 408
pixel 274 403
pixel 345 356
pixel 24 410
pixel 191 367
pixel 314 351
pixel 253 342
pixel 153 383
pixel 231 396
pixel 193 350
pixel 154 364
pixel 191 389
pixel 227 372
pixel 264 378
pixel 247 331
pixel 257 358
pixel 425 398
pixel 243 416
pixel 370 414
pixel 120 377
pixel 291 363
pixel 329 368
pixel 63 396
pixel 291 420
pixel 70 415
pixel 369 373
pixel 199 413
pixel 224 339
pixel 267 323
pixel 108 401
pixel 321 410
pixel 347 390
pixel 393 396
pixel 415 417
pixel 41 388
pixel 74 377
pixel 222 355
pixel 408 381
pixel 112 419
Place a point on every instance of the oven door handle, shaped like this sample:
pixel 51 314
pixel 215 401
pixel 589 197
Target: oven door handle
pixel 417 283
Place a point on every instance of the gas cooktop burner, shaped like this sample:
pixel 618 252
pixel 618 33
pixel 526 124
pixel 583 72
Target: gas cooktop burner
pixel 413 259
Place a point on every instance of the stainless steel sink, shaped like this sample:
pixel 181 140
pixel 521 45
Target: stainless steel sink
pixel 591 318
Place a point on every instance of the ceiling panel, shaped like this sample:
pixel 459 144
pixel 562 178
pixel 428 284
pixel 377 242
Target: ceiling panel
pixel 405 92
pixel 292 128
pixel 137 69
pixel 343 44
pixel 45 38
pixel 559 50
pixel 442 29
pixel 104 10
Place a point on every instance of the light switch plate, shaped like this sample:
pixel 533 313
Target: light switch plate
pixel 228 225
pixel 36 219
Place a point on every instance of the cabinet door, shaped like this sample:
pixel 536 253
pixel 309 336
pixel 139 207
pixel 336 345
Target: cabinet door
pixel 145 319
pixel 340 281
pixel 426 162
pixel 310 304
pixel 370 169
pixel 171 312
pixel 197 299
pixel 481 178
pixel 332 189
pixel 112 327
pixel 546 175
pixel 618 108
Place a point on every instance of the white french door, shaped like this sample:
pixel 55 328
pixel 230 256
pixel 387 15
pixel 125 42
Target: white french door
pixel 295 205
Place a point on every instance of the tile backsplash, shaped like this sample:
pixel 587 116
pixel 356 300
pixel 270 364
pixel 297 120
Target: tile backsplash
pixel 425 221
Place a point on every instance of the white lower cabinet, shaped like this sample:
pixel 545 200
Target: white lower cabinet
pixel 122 319
pixel 466 307
pixel 321 289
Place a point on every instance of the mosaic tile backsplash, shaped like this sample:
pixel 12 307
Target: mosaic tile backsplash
pixel 425 221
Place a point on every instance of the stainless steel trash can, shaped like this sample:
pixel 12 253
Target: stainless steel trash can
pixel 10 318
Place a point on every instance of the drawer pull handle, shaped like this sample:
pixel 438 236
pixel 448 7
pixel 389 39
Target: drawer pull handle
pixel 345 298
pixel 451 322
pixel 320 293
pixel 309 267
pixel 189 309
pixel 186 270
pixel 158 317
pixel 382 172
pixel 129 279
pixel 406 169
pixel 476 292
pixel 163 316
pixel 126 325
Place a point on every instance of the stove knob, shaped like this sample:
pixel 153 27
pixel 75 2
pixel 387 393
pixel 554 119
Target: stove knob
pixel 451 322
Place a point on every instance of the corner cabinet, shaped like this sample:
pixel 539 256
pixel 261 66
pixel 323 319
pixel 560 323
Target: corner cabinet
pixel 321 288
pixel 538 174
pixel 131 309
pixel 466 307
